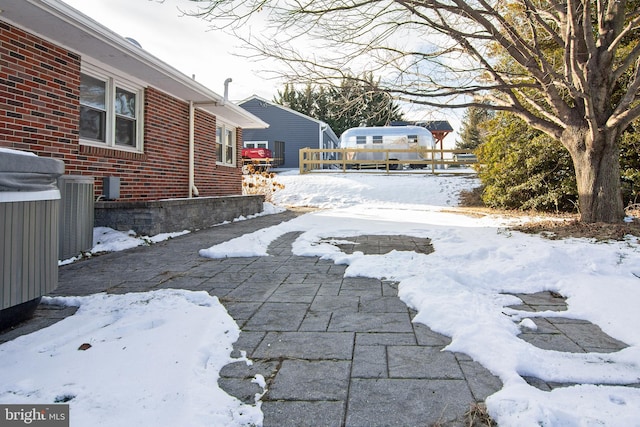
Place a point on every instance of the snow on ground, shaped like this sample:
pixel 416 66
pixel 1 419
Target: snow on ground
pixel 332 190
pixel 460 290
pixel 137 359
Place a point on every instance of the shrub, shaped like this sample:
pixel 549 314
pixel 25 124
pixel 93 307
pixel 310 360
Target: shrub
pixel 525 169
pixel 259 180
pixel 630 164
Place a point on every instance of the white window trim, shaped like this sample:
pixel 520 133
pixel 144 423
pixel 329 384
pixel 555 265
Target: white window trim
pixel 112 81
pixel 256 144
pixel 225 127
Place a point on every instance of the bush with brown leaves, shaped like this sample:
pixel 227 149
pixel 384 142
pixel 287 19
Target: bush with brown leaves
pixel 259 180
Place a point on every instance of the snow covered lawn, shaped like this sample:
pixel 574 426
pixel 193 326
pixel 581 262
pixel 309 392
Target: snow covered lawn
pixel 461 290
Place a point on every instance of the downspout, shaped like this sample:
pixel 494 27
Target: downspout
pixel 322 127
pixel 193 190
pixel 192 150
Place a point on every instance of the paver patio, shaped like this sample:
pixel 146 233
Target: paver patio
pixel 334 351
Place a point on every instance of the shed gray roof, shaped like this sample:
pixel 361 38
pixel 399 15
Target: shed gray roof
pixel 433 125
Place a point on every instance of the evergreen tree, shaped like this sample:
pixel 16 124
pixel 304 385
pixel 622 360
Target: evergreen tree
pixel 357 101
pixel 287 96
pixel 524 168
pixel 630 164
pixel 473 132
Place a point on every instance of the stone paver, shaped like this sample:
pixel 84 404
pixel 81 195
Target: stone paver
pixel 334 351
pixel 562 334
pixel 406 402
pixel 355 352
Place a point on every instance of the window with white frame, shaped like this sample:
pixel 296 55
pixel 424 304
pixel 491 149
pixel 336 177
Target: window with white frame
pixel 226 144
pixel 110 112
pixel 256 144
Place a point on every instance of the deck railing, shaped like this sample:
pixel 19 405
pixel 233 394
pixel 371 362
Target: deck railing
pixel 434 160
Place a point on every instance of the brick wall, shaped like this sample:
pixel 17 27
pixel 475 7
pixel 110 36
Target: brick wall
pixel 39 95
pixel 164 171
pixel 212 179
pixel 39 112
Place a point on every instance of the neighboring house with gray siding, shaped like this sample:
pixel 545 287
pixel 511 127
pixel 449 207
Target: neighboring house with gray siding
pixel 288 131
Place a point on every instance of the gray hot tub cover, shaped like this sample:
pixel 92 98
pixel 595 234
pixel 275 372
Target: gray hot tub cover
pixel 26 172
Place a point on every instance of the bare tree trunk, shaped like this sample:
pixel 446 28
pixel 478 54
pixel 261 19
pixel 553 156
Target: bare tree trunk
pixel 597 167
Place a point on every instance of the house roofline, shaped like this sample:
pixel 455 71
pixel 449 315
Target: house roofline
pixel 65 26
pixel 319 122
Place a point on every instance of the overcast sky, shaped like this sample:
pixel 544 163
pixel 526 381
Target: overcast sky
pixel 184 42
pixel 187 43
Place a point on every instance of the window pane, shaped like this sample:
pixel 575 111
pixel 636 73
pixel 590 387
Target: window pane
pixel 219 152
pixel 92 92
pixel 125 132
pixel 92 123
pixel 125 104
pixel 229 146
pixel 229 158
pixel 219 144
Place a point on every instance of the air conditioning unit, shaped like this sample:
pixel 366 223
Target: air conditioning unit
pixel 76 215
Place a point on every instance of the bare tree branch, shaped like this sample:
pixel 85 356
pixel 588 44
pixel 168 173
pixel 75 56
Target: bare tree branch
pixel 567 67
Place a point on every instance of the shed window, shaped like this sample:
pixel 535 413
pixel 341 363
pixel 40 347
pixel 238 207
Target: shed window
pixel 256 144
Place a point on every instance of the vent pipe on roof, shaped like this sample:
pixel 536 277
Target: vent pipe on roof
pixel 133 42
pixel 226 90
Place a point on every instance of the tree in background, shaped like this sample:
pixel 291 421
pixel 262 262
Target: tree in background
pixel 356 102
pixel 566 59
pixel 302 101
pixel 474 130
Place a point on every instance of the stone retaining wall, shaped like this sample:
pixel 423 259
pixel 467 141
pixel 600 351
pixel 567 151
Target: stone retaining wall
pixel 165 216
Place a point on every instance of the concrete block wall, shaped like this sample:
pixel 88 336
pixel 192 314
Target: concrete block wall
pixel 165 216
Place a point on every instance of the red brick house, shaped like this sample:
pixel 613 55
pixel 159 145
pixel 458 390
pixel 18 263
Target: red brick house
pixel 72 89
